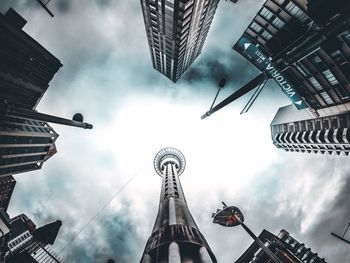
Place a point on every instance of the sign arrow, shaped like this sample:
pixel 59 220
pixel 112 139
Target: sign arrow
pixel 246 45
pixel 299 102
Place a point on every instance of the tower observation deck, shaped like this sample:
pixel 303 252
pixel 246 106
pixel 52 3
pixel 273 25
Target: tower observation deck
pixel 175 236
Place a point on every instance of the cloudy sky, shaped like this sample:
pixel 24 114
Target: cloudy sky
pixel 107 76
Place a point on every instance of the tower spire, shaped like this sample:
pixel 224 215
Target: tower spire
pixel 175 237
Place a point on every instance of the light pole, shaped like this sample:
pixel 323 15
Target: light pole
pixel 230 216
pixel 12 110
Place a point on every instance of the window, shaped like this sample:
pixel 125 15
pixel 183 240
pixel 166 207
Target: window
pixel 330 77
pixel 315 84
pixel 255 27
pixel 296 12
pixel 266 35
pixel 303 70
pixel 338 57
pixel 326 98
pixel 266 13
pixel 341 92
pixel 346 37
pixel 317 61
pixel 278 23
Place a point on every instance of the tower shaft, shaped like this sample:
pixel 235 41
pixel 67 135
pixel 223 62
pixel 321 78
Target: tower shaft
pixel 175 237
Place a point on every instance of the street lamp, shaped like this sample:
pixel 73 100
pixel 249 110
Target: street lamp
pixel 221 84
pixel 230 216
pixel 12 110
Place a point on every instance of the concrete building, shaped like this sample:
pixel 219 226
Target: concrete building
pixel 297 131
pixel 175 236
pixel 7 185
pixel 285 247
pixel 176 31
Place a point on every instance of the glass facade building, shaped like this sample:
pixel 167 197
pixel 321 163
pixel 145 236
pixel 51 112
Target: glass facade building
pixel 176 31
pixel 26 67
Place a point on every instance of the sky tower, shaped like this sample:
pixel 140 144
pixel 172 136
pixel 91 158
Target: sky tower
pixel 175 237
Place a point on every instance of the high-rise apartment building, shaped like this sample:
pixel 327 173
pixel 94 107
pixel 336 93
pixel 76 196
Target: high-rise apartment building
pixel 176 31
pixel 26 67
pixel 306 52
pixel 24 145
pixel 175 236
pixel 22 241
pixel 297 131
pixel 285 247
pixel 7 185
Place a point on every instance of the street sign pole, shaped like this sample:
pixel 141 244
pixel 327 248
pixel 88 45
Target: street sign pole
pixel 237 94
pixel 261 244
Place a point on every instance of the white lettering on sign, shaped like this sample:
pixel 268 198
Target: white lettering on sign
pixel 280 80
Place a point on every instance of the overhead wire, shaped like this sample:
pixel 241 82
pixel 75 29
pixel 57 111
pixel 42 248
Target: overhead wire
pixel 99 212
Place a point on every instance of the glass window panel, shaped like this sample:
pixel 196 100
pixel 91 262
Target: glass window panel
pixel 296 12
pixel 256 27
pixel 330 77
pixel 340 91
pixel 278 23
pixel 266 13
pixel 315 84
pixel 303 70
pixel 266 35
pixel 326 98
pixel 338 56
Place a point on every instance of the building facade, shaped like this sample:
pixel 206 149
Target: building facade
pixel 7 185
pixel 23 242
pixel 297 131
pixel 306 52
pixel 26 68
pixel 175 236
pixel 285 247
pixel 176 31
pixel 24 145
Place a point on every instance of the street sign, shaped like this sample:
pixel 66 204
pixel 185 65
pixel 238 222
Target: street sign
pixel 264 64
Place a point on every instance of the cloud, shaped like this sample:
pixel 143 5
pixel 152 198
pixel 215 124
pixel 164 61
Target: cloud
pixel 107 75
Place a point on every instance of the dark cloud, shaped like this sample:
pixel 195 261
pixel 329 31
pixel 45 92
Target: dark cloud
pixel 63 6
pixel 112 236
pixel 103 3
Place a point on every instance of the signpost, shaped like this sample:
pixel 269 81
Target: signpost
pixel 266 65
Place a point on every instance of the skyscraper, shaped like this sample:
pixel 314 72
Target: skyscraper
pixel 284 246
pixel 175 237
pixel 26 67
pixel 176 31
pixel 25 144
pixel 7 185
pixel 305 51
pixel 297 131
